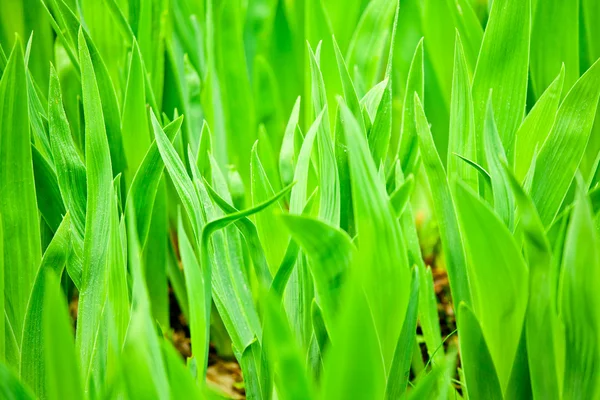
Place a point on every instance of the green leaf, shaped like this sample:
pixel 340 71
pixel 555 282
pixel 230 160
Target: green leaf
pixel 250 233
pixel 568 137
pixel 143 366
pixel 480 375
pixel 354 367
pixel 33 363
pixel 329 204
pixel 196 287
pixel 134 120
pixel 554 42
pixel 381 131
pixel 444 209
pixel 270 231
pixel 408 143
pixel 180 379
pixel 287 161
pixel 110 106
pixel 507 32
pixel 578 304
pixel 94 284
pixel 541 320
pixel 537 126
pixel 2 301
pixel 436 383
pixel 63 375
pixel 494 257
pixel 18 206
pixel 385 272
pixel 462 136
pixel 291 377
pixel 495 156
pixel 11 387
pixel 145 184
pixel 369 40
pixel 178 173
pixel 330 253
pixel 50 202
pixel 468 28
pixel 400 198
pixel 70 174
pixel 399 373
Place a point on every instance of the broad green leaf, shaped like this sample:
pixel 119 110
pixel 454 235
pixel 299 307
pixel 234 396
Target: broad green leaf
pixel 2 301
pixel 250 233
pixel 494 258
pixel 146 183
pixel 436 383
pixel 288 263
pixel 589 8
pixel 400 198
pixel 196 285
pixel 350 95
pixel 480 375
pixel 554 42
pixel 221 255
pixel 507 32
pixel 537 125
pixel 50 202
pixel 381 132
pixel 354 367
pixel 270 231
pixel 301 173
pixel 70 173
pixel 428 317
pixel 178 173
pixel 408 143
pixel 291 377
pixel 258 382
pixel 444 209
pixel 468 28
pixel 118 307
pixel 70 169
pixel 63 375
pixel 329 203
pixel 382 255
pixel 541 317
pixel 495 156
pixel 33 362
pixel 398 376
pixel 438 29
pixel 563 150
pixel 236 90
pixel 369 40
pixel 110 106
pixel 11 388
pixel 180 378
pixel 18 206
pixel 330 253
pixel 287 161
pixel 143 366
pixel 370 101
pixel 134 120
pixel 94 283
pixel 578 304
pixel 155 257
pixel 462 136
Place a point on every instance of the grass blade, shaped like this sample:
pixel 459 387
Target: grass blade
pixel 507 32
pixel 18 205
pixel 94 284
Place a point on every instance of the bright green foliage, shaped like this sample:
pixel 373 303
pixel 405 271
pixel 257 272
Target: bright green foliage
pixel 287 182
